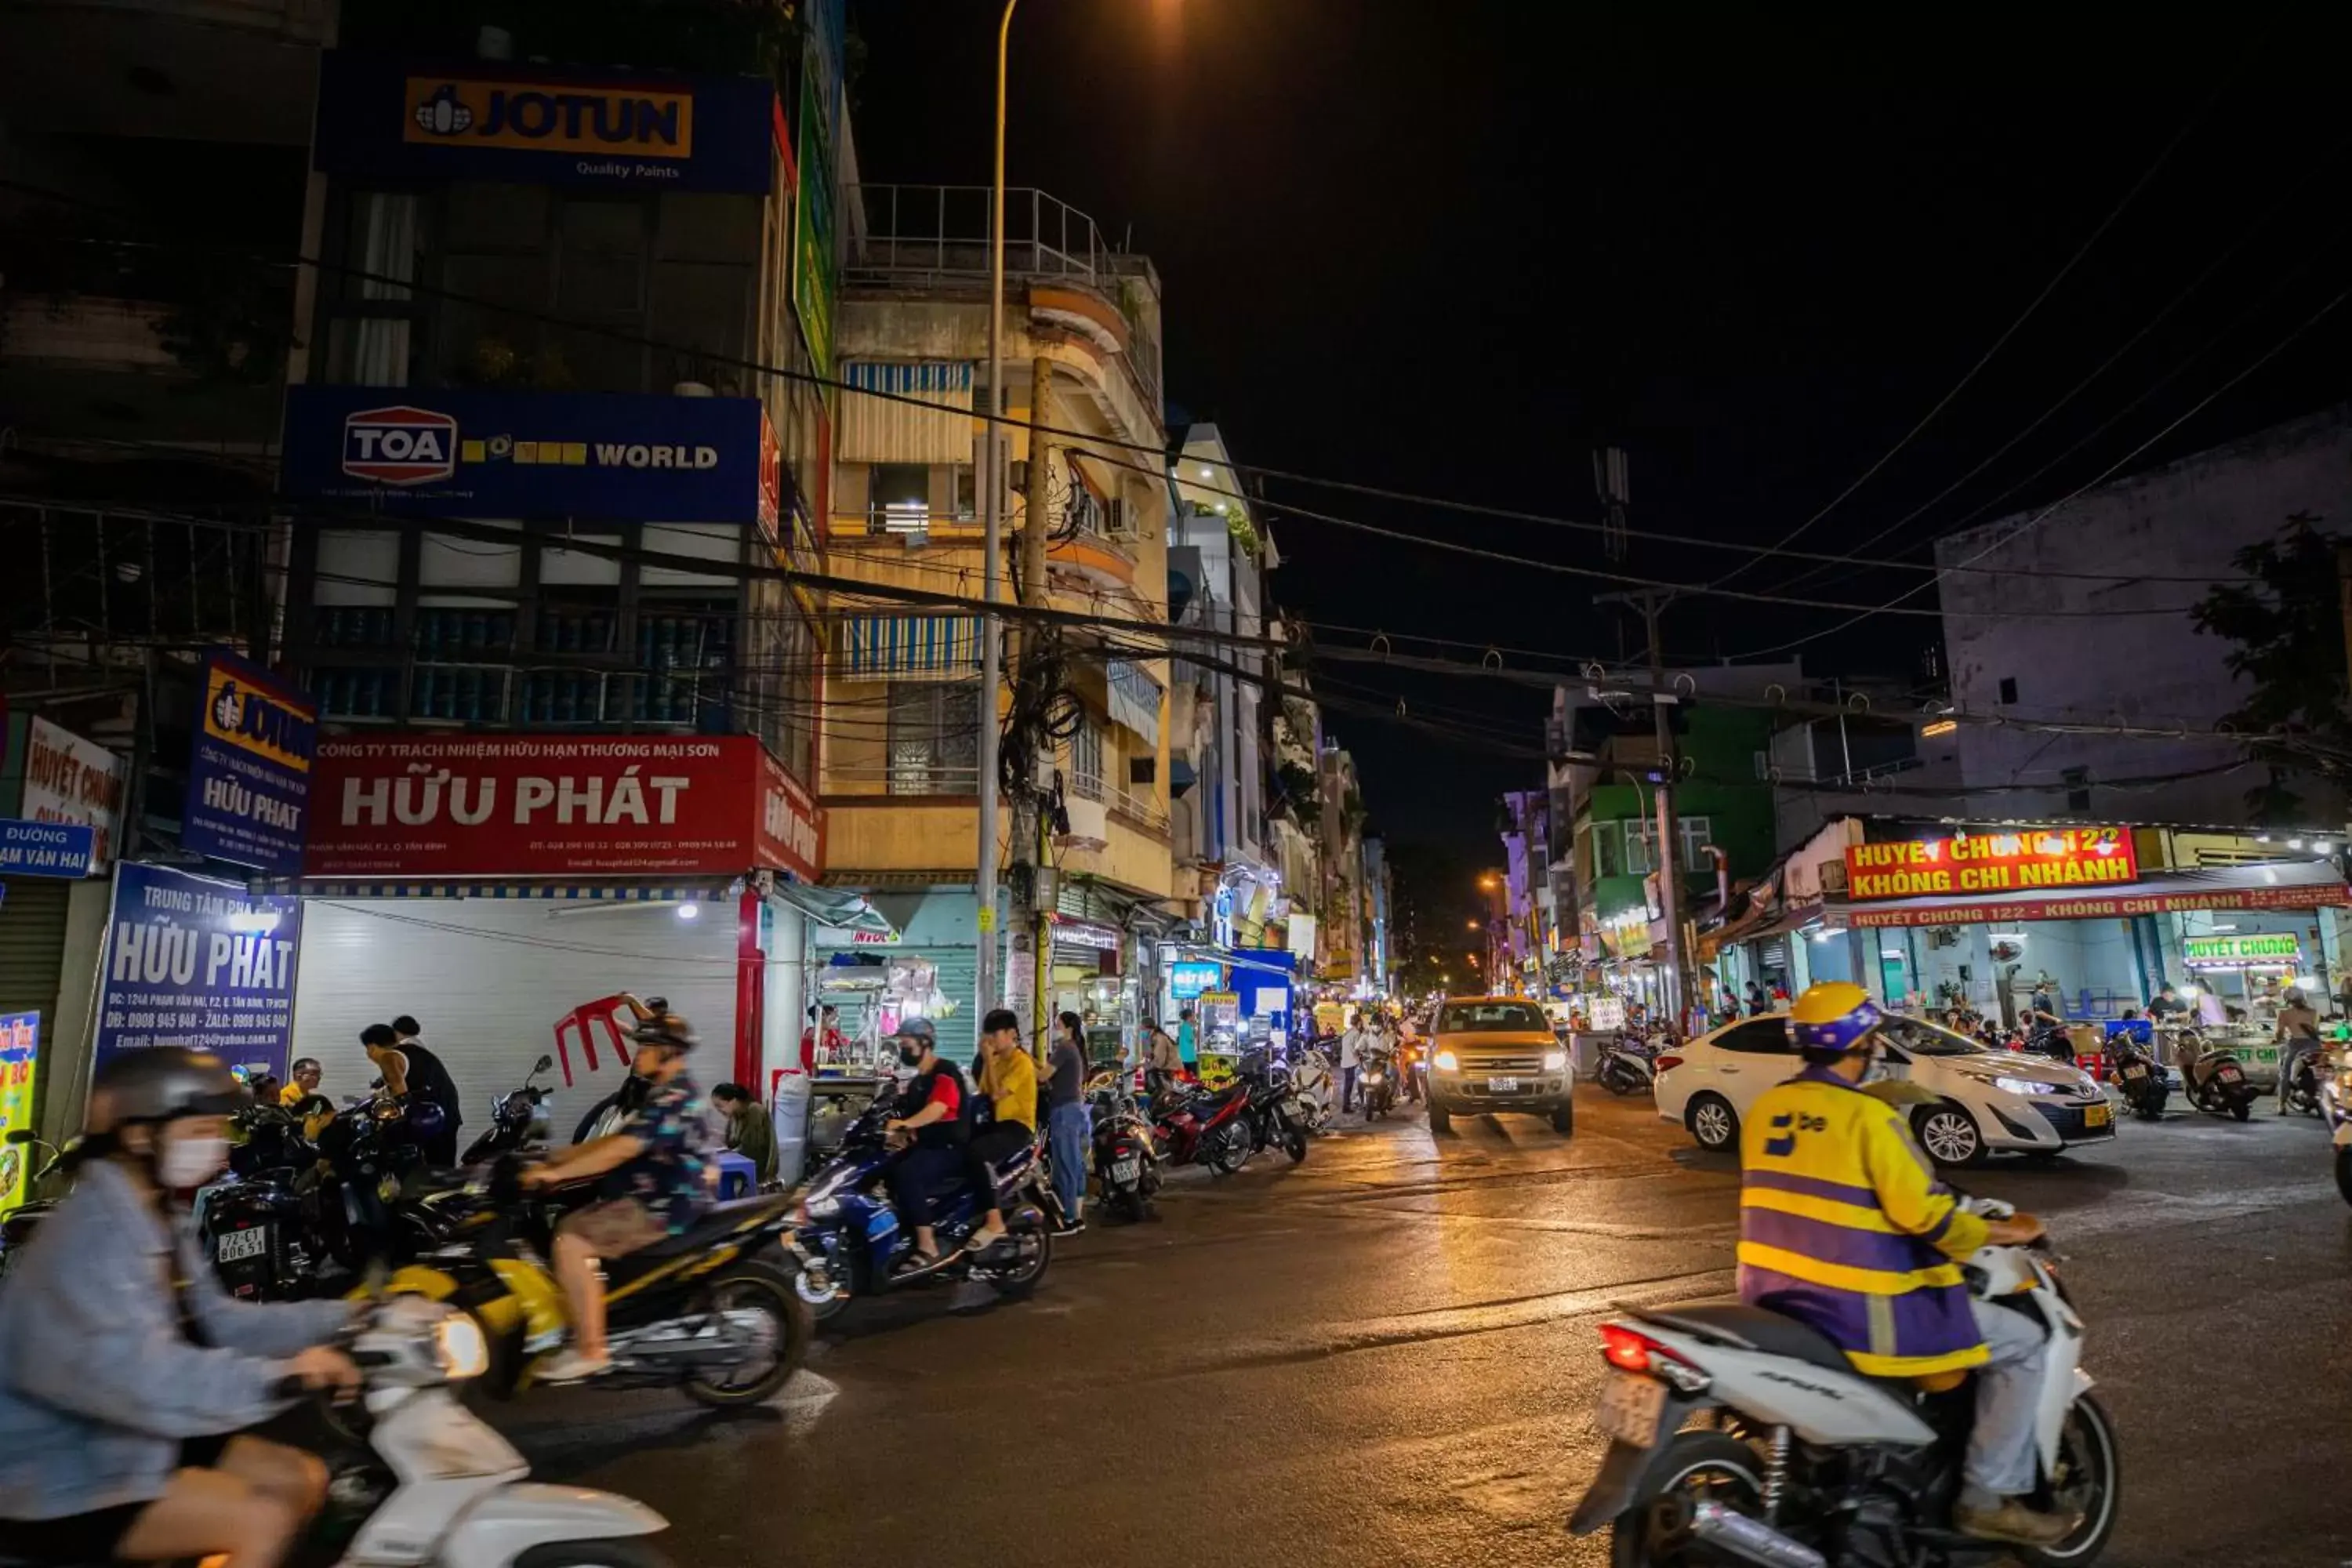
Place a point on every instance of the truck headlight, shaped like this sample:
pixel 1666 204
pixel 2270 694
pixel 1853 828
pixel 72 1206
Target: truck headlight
pixel 1447 1061
pixel 1555 1061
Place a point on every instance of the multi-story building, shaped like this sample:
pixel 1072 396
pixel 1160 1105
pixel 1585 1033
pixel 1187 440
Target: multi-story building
pixel 1525 941
pixel 900 746
pixel 2023 641
pixel 561 435
pixel 1339 852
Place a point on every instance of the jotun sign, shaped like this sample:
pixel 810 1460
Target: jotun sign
pixel 2058 859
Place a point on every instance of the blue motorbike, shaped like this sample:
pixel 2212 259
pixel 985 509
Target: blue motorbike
pixel 847 1240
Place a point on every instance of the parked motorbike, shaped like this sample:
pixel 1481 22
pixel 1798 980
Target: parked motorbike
pixel 846 1237
pixel 2139 1075
pixel 1126 1160
pixel 1376 1082
pixel 2214 1080
pixel 1625 1069
pixel 17 1230
pixel 1212 1129
pixel 1279 1117
pixel 517 1117
pixel 2301 1070
pixel 711 1312
pixel 1808 1462
pixel 2335 1106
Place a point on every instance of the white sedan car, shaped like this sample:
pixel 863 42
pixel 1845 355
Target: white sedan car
pixel 1989 1102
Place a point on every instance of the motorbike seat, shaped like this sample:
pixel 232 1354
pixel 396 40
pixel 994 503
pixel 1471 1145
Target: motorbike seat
pixel 1759 1327
pixel 718 1222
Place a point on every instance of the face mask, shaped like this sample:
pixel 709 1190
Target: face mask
pixel 187 1162
pixel 911 1054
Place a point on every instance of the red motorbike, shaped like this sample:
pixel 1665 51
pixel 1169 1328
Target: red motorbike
pixel 1199 1128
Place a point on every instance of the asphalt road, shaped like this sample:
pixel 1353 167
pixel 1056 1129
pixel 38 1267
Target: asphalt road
pixel 1387 1356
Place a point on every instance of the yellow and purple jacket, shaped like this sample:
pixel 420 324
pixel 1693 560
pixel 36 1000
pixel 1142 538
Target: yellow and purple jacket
pixel 1844 1226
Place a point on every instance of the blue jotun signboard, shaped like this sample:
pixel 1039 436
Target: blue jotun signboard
pixel 191 961
pixel 249 770
pixel 381 118
pixel 613 456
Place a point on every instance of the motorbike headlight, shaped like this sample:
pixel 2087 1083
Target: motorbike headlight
pixel 1447 1061
pixel 459 1344
pixel 2023 1086
pixel 1555 1061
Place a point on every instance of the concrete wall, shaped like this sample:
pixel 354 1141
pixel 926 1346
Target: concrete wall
pixel 2186 517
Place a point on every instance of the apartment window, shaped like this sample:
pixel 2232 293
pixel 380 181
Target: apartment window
pixel 370 334
pixel 2008 689
pixel 1638 859
pixel 966 490
pixel 1697 833
pixel 2078 788
pixel 934 737
pixel 1086 761
pixel 899 498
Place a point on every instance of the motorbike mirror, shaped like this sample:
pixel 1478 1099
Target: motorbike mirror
pixel 20 1135
pixel 543 1063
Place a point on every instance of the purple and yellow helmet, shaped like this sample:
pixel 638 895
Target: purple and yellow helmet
pixel 1835 1015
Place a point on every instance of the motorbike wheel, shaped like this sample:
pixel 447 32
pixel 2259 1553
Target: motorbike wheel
pixel 630 1553
pixel 1704 1467
pixel 2344 1172
pixel 757 1286
pixel 2089 1482
pixel 1229 1157
pixel 1128 1203
pixel 2243 1110
pixel 1295 1144
pixel 831 1307
pixel 1020 1281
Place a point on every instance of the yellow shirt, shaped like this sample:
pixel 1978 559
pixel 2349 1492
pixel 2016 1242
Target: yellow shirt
pixel 291 1093
pixel 1010 1081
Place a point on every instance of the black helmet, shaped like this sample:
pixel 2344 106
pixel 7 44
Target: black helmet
pixel 666 1029
pixel 159 1083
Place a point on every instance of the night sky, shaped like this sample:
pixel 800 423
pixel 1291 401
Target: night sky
pixel 1445 250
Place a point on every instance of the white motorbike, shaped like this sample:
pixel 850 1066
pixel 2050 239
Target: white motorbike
pixel 1311 1081
pixel 1808 1464
pixel 460 1497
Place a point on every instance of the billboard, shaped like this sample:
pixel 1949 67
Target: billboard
pixel 1960 864
pixel 63 778
pixel 250 769
pixel 462 453
pixel 558 805
pixel 198 962
pixel 384 118
pixel 20 1061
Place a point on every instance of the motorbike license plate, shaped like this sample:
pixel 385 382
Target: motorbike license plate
pixel 2229 1072
pixel 1502 1086
pixel 1630 1408
pixel 2096 1115
pixel 2134 1073
pixel 1126 1170
pixel 232 1245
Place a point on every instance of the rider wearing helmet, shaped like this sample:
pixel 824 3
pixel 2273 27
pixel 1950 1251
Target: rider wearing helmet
pixel 127 1375
pixel 651 1182
pixel 1844 1226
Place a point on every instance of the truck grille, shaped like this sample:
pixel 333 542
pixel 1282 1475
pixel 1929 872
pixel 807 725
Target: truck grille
pixel 1484 1064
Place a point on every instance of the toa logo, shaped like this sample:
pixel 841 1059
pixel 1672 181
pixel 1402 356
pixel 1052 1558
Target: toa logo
pixel 401 446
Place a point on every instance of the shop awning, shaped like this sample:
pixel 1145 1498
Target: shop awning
pixel 832 907
pixel 1787 920
pixel 2283 885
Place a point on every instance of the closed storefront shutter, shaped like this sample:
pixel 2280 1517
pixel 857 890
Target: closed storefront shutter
pixel 33 947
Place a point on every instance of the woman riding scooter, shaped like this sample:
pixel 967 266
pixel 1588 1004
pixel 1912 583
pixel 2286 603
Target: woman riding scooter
pixel 127 1375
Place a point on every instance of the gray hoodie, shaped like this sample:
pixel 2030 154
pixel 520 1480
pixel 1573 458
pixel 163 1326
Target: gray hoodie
pixel 99 1385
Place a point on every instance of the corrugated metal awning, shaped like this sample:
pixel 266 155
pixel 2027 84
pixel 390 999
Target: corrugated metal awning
pixel 876 646
pixel 883 430
pixel 1134 698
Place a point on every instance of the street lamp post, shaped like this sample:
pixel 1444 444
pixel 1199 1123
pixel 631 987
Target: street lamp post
pixel 991 629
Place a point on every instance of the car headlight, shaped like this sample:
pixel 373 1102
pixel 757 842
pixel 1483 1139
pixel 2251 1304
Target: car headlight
pixel 1555 1061
pixel 458 1343
pixel 2023 1086
pixel 1447 1061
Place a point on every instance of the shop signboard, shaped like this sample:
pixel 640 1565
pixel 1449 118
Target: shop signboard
pixel 58 776
pixel 1190 977
pixel 815 278
pixel 194 961
pixel 2117 906
pixel 384 118
pixel 20 1039
pixel 2261 950
pixel 45 848
pixel 558 805
pixel 1960 864
pixel 249 770
pixel 455 452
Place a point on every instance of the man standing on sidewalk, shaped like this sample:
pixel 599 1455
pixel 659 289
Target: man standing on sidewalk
pixel 1068 1125
pixel 1351 1054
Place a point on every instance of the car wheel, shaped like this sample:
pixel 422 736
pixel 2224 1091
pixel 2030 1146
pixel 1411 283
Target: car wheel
pixel 1563 1119
pixel 1440 1119
pixel 1949 1134
pixel 1713 1122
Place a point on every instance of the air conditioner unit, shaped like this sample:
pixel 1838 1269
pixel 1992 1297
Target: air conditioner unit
pixel 1089 824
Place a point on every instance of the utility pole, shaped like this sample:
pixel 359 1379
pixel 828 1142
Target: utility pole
pixel 1030 912
pixel 992 479
pixel 1649 603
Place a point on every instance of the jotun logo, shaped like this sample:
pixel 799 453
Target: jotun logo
pixel 257 722
pixel 400 446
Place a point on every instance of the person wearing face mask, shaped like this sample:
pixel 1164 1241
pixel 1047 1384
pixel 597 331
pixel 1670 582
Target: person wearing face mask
pixel 651 1181
pixel 128 1377
pixel 930 1131
pixel 1844 1227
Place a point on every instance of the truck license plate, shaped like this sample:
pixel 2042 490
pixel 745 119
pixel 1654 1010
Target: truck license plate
pixel 1502 1086
pixel 1629 1409
pixel 232 1245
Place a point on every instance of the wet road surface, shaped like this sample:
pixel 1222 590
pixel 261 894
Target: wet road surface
pixel 1386 1355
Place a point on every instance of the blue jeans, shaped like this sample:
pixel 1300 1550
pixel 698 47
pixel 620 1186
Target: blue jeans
pixel 1067 1131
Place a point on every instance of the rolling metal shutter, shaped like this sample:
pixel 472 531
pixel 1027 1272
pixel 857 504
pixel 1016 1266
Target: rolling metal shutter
pixel 33 946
